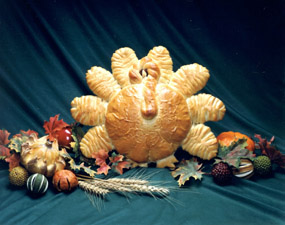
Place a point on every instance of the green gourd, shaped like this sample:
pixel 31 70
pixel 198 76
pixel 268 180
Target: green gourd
pixel 37 184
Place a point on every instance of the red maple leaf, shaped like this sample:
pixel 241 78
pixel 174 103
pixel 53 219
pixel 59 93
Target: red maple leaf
pixel 4 134
pixel 116 158
pixel 100 157
pixel 121 165
pixel 13 160
pixel 104 168
pixel 4 152
pixel 118 164
pixel 53 126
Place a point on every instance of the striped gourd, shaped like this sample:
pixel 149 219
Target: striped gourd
pixel 37 184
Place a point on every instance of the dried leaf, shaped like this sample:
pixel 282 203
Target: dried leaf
pixel 13 160
pixel 267 149
pixel 53 126
pixel 4 134
pixel 118 163
pixel 77 135
pixel 4 152
pixel 224 150
pixel 234 153
pixel 118 167
pixel 76 168
pixel 187 169
pixel 26 133
pixel 16 143
pixel 104 168
pixel 100 157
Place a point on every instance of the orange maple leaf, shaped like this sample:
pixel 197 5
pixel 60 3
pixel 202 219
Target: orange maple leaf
pixel 100 157
pixel 104 168
pixel 121 165
pixel 53 126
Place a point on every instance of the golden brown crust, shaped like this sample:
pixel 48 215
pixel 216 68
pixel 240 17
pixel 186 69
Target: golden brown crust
pixel 161 57
pixel 95 139
pixel 89 110
pixel 147 140
pixel 189 79
pixel 205 107
pixel 201 142
pixel 102 83
pixel 123 61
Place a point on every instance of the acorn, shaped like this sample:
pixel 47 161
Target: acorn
pixel 18 176
pixel 37 184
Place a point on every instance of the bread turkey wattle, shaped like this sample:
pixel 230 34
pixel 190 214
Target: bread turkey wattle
pixel 146 111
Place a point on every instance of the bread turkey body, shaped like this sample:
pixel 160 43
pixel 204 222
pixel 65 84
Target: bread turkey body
pixel 147 140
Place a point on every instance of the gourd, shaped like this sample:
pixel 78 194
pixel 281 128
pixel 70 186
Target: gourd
pixel 37 184
pixel 64 180
pixel 227 138
pixel 38 155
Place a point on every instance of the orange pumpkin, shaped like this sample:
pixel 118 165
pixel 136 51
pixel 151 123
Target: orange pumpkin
pixel 226 138
pixel 64 180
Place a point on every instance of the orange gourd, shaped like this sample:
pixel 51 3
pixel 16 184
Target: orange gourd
pixel 226 138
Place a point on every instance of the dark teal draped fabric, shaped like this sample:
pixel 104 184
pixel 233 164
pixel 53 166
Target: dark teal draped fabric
pixel 46 47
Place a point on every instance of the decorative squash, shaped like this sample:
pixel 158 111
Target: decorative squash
pixel 39 155
pixel 64 180
pixel 226 138
pixel 37 184
pixel 246 169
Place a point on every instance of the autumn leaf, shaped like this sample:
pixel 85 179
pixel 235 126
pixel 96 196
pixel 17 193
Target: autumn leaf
pixel 77 135
pixel 118 164
pixel 100 157
pixel 53 126
pixel 13 160
pixel 104 168
pixel 75 167
pixel 16 143
pixel 233 154
pixel 187 169
pixel 267 149
pixel 4 134
pixel 4 151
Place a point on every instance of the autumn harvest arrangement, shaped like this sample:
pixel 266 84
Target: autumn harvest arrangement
pixel 30 158
pixel 143 114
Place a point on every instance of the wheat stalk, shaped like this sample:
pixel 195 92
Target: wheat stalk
pixel 128 181
pixel 92 189
pixel 148 189
pixel 106 184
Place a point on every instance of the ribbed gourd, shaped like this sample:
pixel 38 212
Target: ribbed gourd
pixel 37 184
pixel 38 155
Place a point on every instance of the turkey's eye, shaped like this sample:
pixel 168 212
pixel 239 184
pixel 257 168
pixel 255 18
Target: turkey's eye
pixel 144 72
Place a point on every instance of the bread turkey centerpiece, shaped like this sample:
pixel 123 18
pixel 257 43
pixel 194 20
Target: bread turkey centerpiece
pixel 146 111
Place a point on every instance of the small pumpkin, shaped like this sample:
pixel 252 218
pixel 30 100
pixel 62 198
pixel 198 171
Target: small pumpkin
pixel 226 139
pixel 64 180
pixel 38 155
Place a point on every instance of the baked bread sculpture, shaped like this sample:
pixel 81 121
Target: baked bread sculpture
pixel 146 111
